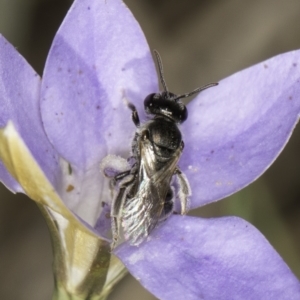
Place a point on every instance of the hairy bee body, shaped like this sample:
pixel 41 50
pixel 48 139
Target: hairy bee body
pixel 146 191
pixel 149 197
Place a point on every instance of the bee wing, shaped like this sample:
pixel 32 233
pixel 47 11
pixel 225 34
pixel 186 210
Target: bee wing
pixel 143 211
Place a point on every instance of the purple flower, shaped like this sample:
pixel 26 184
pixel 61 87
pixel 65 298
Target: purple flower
pixel 56 132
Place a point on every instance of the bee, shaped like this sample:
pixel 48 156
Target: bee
pixel 145 193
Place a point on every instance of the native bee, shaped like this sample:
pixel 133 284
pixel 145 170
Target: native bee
pixel 145 195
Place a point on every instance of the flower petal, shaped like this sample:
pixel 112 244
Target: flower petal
pixel 236 130
pixel 223 258
pixel 19 102
pixel 9 181
pixel 19 161
pixel 99 57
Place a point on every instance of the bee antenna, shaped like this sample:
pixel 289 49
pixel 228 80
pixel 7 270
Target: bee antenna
pixel 198 90
pixel 161 72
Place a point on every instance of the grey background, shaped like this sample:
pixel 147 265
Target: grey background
pixel 199 41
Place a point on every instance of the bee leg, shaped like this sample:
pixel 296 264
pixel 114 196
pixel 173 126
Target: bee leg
pixel 117 205
pixel 116 211
pixel 168 206
pixel 184 191
pixel 115 179
pixel 135 115
pixel 119 177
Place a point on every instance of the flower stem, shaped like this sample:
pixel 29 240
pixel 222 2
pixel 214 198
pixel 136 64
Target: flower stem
pixel 81 259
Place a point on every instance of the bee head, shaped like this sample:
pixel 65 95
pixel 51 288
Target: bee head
pixel 166 105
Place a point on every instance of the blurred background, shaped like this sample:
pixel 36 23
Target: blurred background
pixel 200 42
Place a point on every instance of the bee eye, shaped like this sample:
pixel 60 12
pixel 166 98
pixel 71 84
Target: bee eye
pixel 148 102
